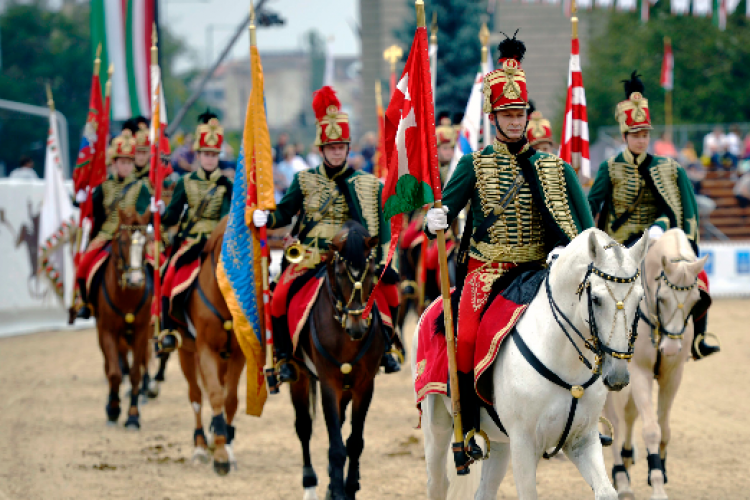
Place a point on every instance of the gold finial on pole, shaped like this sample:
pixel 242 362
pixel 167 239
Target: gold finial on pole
pixel 108 87
pixel 574 19
pixel 97 59
pixel 393 55
pixel 154 46
pixel 484 38
pixel 253 36
pixel 421 20
pixel 378 94
pixel 434 29
pixel 50 101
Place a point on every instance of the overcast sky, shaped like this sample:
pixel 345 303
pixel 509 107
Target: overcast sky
pixel 189 19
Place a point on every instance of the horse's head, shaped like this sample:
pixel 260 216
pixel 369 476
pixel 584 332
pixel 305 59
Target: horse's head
pixel 351 271
pixel 130 248
pixel 671 289
pixel 602 279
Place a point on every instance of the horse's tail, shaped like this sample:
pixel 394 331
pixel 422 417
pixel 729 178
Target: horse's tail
pixel 216 238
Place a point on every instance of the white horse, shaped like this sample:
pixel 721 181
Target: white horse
pixel 592 293
pixel 670 277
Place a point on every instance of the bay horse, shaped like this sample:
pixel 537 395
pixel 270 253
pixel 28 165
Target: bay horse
pixel 586 306
pixel 670 271
pixel 342 350
pixel 123 312
pixel 210 348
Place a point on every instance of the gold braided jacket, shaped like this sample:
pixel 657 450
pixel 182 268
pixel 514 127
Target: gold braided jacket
pixel 111 193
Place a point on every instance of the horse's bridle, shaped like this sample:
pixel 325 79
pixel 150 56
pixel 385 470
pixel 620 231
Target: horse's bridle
pixel 136 240
pixel 596 344
pixel 343 310
pixel 654 320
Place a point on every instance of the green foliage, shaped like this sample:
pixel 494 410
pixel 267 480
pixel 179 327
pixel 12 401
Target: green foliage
pixel 711 67
pixel 459 49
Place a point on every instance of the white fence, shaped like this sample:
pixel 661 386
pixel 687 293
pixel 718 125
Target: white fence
pixel 728 268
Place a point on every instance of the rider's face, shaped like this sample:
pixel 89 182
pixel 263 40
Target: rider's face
pixel 141 158
pixel 638 141
pixel 445 153
pixel 511 121
pixel 209 160
pixel 335 154
pixel 124 166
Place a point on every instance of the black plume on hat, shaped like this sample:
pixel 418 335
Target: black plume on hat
pixel 511 48
pixel 207 116
pixel 130 124
pixel 444 114
pixel 633 85
pixel 531 109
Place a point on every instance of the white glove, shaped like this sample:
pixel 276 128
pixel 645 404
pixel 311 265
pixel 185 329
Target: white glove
pixel 158 205
pixel 655 232
pixel 81 196
pixel 260 218
pixel 554 253
pixel 437 218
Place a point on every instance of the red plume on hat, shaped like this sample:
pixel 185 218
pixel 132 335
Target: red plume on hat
pixel 332 125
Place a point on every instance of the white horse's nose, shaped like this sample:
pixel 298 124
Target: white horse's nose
pixel 670 347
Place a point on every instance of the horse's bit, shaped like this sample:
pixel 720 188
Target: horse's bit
pixel 134 269
pixel 342 310
pixel 655 322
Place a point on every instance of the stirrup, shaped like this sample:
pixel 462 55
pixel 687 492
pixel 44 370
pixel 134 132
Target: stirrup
pixel 163 334
pixel 467 443
pixel 700 339
pixel 292 366
pixel 603 438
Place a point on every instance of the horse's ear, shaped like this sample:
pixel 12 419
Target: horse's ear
pixel 594 249
pixel 696 267
pixel 640 249
pixel 665 264
pixel 372 242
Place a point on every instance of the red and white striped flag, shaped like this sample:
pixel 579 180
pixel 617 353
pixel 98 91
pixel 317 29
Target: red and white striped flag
pixel 574 146
pixel 667 67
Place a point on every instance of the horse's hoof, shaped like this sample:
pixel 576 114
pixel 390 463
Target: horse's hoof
pixel 153 390
pixel 232 459
pixel 626 495
pixel 221 468
pixel 133 423
pixel 143 399
pixel 310 494
pixel 113 414
pixel 200 456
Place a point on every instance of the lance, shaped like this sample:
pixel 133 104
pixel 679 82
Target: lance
pixel 156 169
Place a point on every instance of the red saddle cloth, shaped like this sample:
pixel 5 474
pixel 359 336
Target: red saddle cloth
pixel 92 261
pixel 412 235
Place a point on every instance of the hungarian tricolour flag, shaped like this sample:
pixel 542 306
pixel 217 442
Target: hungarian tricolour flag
pixel 667 67
pixel 410 145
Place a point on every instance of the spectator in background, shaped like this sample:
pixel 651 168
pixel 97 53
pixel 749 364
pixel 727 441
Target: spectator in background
pixel 688 154
pixel 25 169
pixel 733 144
pixel 664 147
pixel 281 143
pixel 313 157
pixel 746 153
pixel 356 161
pixel 184 156
pixel 742 192
pixel 369 148
pixel 713 146
pixel 696 173
pixel 290 165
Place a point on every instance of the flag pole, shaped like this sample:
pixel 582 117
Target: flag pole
pixel 156 166
pixel 379 106
pixel 393 55
pixel 668 99
pixel 269 369
pixel 484 39
pixel 458 432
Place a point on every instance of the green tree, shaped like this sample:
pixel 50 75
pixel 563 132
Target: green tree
pixel 711 67
pixel 459 49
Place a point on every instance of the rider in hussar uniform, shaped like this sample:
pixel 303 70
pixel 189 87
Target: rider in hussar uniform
pixel 207 194
pixel 539 133
pixel 122 190
pixel 524 205
pixel 636 191
pixel 324 198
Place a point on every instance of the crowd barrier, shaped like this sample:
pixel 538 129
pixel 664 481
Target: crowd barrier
pixel 728 267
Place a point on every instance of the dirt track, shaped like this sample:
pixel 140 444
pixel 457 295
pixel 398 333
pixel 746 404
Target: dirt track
pixel 54 443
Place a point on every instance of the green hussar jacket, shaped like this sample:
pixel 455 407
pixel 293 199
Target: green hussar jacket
pixel 113 194
pixel 212 190
pixel 144 172
pixel 547 211
pixel 347 195
pixel 632 194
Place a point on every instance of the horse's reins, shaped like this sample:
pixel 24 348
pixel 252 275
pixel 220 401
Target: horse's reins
pixel 595 344
pixel 342 310
pixel 128 317
pixel 655 322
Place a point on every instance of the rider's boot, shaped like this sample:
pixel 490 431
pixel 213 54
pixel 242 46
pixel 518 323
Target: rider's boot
pixel 469 412
pixel 85 311
pixel 168 338
pixel 282 343
pixel 700 349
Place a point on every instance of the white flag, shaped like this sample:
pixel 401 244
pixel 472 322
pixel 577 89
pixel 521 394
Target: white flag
pixel 468 135
pixel 487 67
pixel 56 222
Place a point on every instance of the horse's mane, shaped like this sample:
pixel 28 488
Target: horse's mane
pixel 355 244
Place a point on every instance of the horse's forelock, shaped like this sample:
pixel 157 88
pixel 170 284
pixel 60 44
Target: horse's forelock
pixel 353 250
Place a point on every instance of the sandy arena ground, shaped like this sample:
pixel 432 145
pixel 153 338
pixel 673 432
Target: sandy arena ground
pixel 54 443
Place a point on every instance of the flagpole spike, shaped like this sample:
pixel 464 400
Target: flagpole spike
pixel 253 36
pixel 50 101
pixel 421 21
pixel 434 29
pixel 378 94
pixel 574 19
pixel 484 38
pixel 97 59
pixel 154 46
pixel 108 86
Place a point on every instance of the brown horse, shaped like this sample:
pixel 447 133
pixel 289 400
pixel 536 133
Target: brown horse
pixel 343 351
pixel 210 347
pixel 123 311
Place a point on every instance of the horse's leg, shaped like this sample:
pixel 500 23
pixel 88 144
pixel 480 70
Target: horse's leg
pixel 210 365
pixel 586 454
pixel 493 471
pixel 140 346
pixel 613 411
pixel 525 462
pixel 641 382
pixel 303 399
pixel 669 384
pixel 163 358
pixel 356 442
pixel 108 345
pixel 437 427
pixel 337 451
pixel 187 364
pixel 235 366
